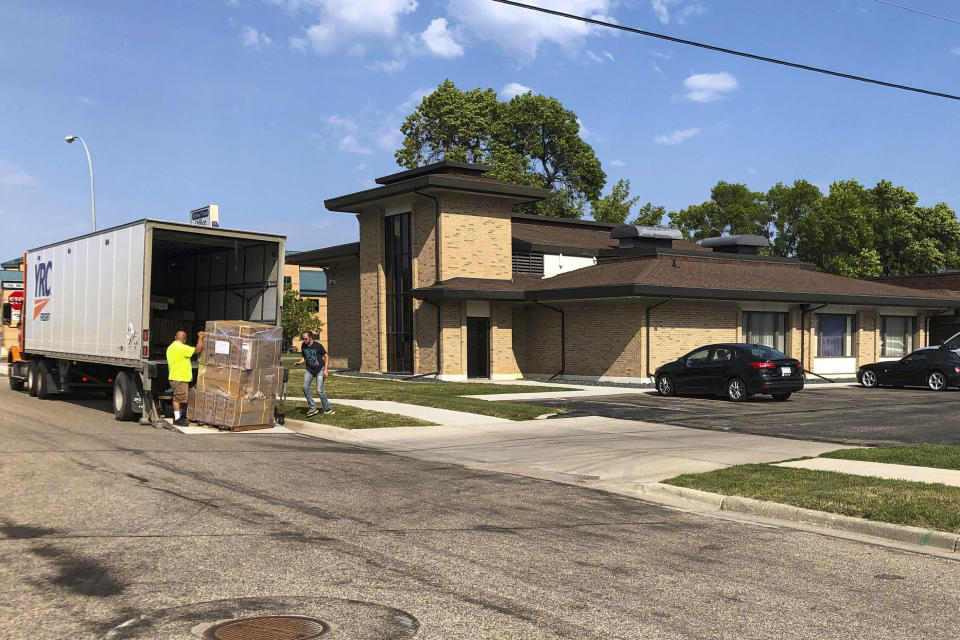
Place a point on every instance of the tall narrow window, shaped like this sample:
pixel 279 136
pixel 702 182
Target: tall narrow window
pixel 768 329
pixel 897 336
pixel 397 266
pixel 834 335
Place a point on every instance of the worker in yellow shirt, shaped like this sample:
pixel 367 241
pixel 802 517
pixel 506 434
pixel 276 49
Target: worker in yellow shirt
pixel 181 373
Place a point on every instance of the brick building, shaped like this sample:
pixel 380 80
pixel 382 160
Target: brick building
pixel 310 283
pixel 447 279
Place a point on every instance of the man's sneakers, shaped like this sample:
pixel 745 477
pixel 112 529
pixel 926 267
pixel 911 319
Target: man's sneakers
pixel 313 412
pixel 329 412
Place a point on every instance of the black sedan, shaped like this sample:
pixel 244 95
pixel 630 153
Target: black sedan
pixel 737 371
pixel 937 369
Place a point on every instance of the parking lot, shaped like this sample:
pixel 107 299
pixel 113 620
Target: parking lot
pixel 848 415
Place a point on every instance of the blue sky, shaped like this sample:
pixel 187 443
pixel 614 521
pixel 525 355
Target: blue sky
pixel 267 107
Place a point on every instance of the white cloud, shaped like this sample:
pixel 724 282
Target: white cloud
pixel 594 57
pixel 751 171
pixel 342 123
pixel 676 137
pixel 250 37
pixel 414 99
pixel 439 40
pixel 347 23
pixel 521 32
pixel 89 101
pixel 350 144
pixel 663 8
pixel 512 90
pixel 955 51
pixel 707 87
pixel 608 55
pixel 584 132
pixel 617 163
pixel 13 176
pixel 388 66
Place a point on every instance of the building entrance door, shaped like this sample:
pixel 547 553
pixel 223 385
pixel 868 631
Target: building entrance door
pixel 478 347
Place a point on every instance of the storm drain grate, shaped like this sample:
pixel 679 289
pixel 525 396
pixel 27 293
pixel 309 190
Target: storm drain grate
pixel 268 628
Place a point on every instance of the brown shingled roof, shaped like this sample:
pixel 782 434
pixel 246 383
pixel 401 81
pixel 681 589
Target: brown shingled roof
pixel 560 232
pixel 700 277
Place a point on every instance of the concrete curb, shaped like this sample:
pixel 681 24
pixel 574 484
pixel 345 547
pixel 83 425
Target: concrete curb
pixel 895 532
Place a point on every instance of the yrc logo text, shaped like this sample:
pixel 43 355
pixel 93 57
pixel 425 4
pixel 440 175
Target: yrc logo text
pixel 42 288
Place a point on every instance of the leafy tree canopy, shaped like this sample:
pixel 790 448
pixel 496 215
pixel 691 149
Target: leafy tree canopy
pixel 852 231
pixel 532 140
pixel 297 315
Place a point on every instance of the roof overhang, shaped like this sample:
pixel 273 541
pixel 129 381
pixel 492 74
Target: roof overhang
pixel 681 293
pixel 320 257
pixel 516 193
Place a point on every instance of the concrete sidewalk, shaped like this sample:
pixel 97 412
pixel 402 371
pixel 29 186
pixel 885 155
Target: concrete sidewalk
pixel 601 452
pixel 879 470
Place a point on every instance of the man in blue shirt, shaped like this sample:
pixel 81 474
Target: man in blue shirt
pixel 316 360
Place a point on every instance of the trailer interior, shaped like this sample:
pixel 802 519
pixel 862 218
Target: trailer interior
pixel 197 277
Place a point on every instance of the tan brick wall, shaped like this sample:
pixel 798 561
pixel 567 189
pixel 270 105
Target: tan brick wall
pixel 519 337
pixel 503 361
pixel 423 251
pixel 867 343
pixel 373 345
pixel 475 240
pixel 454 341
pixel 679 327
pixel 541 341
pixel 605 339
pixel 343 328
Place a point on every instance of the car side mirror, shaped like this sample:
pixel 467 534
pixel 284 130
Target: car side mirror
pixel 682 360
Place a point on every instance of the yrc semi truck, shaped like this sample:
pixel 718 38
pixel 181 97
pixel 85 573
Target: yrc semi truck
pixel 101 309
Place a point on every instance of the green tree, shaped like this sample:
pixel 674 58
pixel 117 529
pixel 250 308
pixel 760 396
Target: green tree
pixel 615 206
pixel 449 124
pixel 297 315
pixel 649 216
pixel 732 209
pixel 532 140
pixel 787 207
pixel 837 235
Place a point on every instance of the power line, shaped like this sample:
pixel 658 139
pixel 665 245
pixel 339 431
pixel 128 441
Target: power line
pixel 923 13
pixel 733 52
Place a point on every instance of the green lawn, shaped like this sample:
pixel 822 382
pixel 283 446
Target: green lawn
pixel 918 504
pixel 442 395
pixel 348 417
pixel 938 456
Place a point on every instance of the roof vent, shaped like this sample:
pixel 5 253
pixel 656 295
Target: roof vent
pixel 744 245
pixel 632 237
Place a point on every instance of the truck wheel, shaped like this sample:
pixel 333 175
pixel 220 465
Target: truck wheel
pixel 45 385
pixel 123 390
pixel 15 383
pixel 32 378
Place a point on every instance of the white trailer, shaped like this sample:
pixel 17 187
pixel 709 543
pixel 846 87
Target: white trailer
pixel 100 309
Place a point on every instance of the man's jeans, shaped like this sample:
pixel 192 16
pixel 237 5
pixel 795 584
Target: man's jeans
pixel 307 381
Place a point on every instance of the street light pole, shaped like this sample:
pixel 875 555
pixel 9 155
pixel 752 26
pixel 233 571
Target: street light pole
pixel 93 200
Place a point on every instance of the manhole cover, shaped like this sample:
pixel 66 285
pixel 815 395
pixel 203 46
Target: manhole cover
pixel 268 628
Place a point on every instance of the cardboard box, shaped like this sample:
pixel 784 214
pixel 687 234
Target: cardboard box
pixel 239 352
pixel 237 383
pixel 220 411
pixel 244 328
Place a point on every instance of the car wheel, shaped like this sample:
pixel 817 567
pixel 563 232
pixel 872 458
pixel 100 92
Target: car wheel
pixel 937 381
pixel 736 390
pixel 869 379
pixel 780 397
pixel 665 386
pixel 16 384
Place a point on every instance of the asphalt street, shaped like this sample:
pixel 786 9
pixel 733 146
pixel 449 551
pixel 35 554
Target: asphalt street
pixel 846 415
pixel 120 530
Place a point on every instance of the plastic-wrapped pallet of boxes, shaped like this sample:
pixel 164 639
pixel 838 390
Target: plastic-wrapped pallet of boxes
pixel 239 377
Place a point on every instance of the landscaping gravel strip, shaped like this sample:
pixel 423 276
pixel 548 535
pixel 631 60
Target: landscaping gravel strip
pixel 897 533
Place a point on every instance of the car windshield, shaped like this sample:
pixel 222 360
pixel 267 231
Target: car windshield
pixel 765 353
